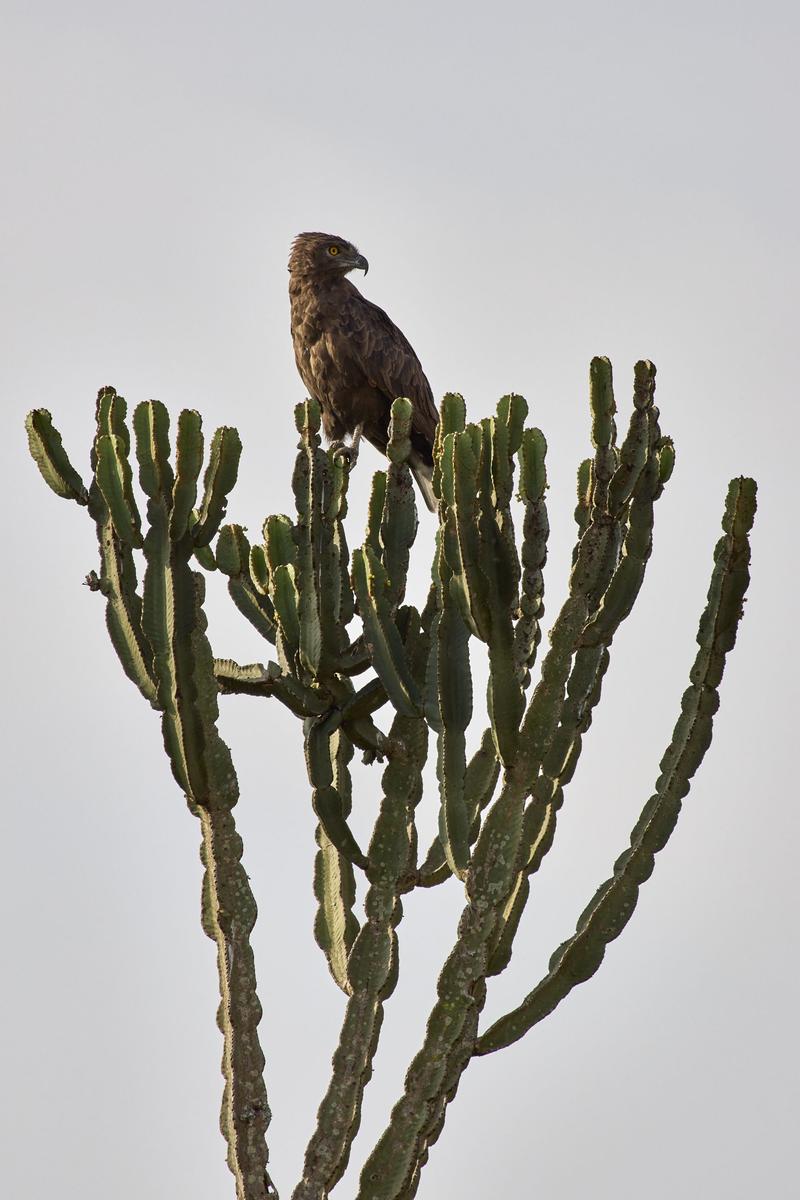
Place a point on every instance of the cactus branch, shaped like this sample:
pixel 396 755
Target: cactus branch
pixel 298 587
pixel 371 968
pixel 609 911
pixel 161 641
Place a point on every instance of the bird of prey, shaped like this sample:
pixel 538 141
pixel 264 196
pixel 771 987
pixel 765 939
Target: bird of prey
pixel 352 358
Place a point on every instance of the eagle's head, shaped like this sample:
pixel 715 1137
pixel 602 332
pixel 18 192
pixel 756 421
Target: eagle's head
pixel 324 255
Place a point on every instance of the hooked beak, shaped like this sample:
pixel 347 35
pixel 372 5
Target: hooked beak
pixel 361 264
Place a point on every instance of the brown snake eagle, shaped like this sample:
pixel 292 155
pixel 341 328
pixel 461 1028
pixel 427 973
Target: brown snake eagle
pixel 352 358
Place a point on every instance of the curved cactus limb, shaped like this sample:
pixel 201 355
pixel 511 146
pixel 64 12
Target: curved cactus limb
pixel 392 1169
pixel 535 531
pixel 248 579
pixel 371 584
pixel 311 481
pixel 47 451
pixel 161 642
pixel 638 471
pixel 434 1073
pixel 229 913
pixel 117 581
pixel 326 800
pixel 398 527
pixel 371 968
pixel 336 925
pixel 577 959
pixel 218 482
pixel 454 687
pixel 480 781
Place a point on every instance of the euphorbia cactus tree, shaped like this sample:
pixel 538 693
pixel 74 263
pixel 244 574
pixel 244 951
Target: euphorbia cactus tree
pixel 331 620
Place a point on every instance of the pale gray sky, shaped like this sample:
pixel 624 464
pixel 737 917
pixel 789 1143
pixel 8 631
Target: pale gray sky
pixel 532 184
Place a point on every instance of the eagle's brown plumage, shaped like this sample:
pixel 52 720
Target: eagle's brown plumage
pixel 352 358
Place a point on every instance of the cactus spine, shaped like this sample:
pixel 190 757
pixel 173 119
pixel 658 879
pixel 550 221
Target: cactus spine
pixel 302 592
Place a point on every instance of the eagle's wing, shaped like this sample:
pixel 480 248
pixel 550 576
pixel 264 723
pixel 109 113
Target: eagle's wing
pixel 387 360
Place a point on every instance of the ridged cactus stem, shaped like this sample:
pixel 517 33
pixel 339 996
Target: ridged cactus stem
pixel 436 1069
pixel 300 591
pixel 638 472
pixel 161 641
pixel 371 968
pixel 229 914
pixel 533 555
pixel 577 959
pixel 335 924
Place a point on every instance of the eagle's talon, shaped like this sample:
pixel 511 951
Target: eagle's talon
pixel 348 454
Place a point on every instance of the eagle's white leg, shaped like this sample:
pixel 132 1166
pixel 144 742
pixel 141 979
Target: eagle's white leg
pixel 349 453
pixel 355 443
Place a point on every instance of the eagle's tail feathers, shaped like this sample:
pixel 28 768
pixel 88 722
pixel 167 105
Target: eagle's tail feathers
pixel 423 473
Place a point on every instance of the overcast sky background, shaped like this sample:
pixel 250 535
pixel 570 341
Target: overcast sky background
pixel 532 184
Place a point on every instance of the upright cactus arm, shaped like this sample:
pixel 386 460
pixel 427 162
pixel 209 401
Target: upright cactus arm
pixel 577 959
pixel 398 527
pixel 454 686
pixel 639 470
pixel 584 482
pixel 118 576
pixel 118 584
pixel 371 585
pixel 335 593
pixel 309 482
pixel 229 914
pixel 434 1073
pixel 480 781
pixel 452 419
pixel 461 462
pixel 433 1077
pixel 169 608
pixel 219 480
pixel 500 565
pixel 326 800
pixel 604 433
pixel 535 531
pixel 114 479
pixel 371 967
pixel 336 925
pixel 117 581
pixel 599 546
pixel 161 641
pixel 188 464
pixel 175 625
pixel 457 1062
pixel 448 691
pixel 640 447
pixel 248 579
pixel 544 708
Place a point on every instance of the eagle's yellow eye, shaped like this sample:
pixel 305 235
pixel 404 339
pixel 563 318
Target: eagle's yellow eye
pixel 333 249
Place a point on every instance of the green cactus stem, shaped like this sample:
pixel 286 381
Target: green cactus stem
pixel 47 451
pixel 609 911
pixel 371 967
pixel 160 638
pixel 637 472
pixel 336 926
pixel 347 646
